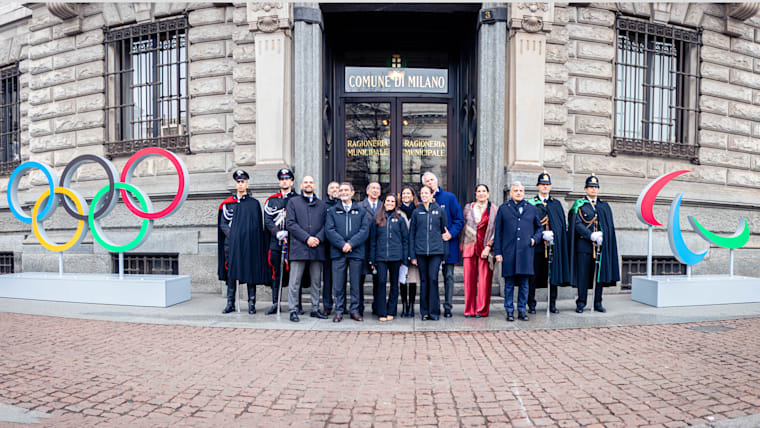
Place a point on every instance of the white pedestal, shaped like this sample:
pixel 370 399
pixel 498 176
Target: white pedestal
pixel 678 290
pixel 131 290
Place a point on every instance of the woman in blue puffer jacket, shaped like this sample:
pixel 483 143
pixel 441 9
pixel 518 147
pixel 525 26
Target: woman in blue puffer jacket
pixel 389 249
pixel 427 249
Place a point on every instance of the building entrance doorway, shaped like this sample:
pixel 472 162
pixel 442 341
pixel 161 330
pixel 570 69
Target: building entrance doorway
pixel 394 141
pixel 400 92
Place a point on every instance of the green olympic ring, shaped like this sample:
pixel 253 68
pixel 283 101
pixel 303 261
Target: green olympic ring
pixel 97 231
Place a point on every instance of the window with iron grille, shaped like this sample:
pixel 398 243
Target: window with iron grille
pixel 6 262
pixel 147 263
pixel 10 125
pixel 146 87
pixel 637 265
pixel 656 90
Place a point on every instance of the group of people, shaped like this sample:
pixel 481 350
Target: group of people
pixel 302 241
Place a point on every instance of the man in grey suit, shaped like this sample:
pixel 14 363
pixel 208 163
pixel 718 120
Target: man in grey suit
pixel 371 204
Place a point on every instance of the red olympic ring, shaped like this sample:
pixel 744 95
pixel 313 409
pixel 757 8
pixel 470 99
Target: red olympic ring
pixel 182 188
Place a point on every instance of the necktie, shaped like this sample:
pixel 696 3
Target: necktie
pixel 374 206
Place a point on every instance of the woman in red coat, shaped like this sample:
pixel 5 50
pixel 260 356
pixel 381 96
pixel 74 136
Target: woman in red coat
pixel 477 242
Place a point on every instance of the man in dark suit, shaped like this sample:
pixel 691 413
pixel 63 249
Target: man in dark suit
pixel 371 204
pixel 331 200
pixel 517 230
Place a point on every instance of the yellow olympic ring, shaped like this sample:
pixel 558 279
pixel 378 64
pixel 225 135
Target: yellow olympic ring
pixel 39 229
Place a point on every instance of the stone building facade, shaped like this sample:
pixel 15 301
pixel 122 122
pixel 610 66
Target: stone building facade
pixel 256 88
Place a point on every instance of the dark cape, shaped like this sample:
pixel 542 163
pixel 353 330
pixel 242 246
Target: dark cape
pixel 560 266
pixel 609 266
pixel 248 244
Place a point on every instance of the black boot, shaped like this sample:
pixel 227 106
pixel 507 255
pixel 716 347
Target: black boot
pixel 251 299
pixel 412 296
pixel 230 298
pixel 404 300
pixel 273 309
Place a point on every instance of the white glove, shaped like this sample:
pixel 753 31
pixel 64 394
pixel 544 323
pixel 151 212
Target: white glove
pixel 548 236
pixel 281 235
pixel 597 237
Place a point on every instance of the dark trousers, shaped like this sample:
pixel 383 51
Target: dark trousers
pixel 361 291
pixel 510 282
pixel 339 267
pixel 448 286
pixel 430 299
pixel 383 307
pixel 327 298
pixel 585 265
pixel 540 278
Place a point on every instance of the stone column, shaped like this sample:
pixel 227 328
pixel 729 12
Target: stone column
pixel 271 24
pixel 492 71
pixel 307 158
pixel 529 23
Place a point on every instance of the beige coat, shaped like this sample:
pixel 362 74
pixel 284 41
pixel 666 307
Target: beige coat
pixel 413 277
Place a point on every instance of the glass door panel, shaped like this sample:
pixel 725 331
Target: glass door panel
pixel 424 142
pixel 368 145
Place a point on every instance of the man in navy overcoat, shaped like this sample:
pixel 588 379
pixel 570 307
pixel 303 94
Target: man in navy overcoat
pixel 518 230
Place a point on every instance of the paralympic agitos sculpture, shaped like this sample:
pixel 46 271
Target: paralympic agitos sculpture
pixel 88 216
pixel 644 212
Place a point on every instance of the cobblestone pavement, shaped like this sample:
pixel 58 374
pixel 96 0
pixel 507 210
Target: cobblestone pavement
pixel 89 373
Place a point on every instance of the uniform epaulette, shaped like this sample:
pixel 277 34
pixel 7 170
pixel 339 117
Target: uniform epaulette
pixel 579 203
pixel 535 201
pixel 276 195
pixel 230 200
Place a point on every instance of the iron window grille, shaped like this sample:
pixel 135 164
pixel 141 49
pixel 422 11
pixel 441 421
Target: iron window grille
pixel 147 263
pixel 637 265
pixel 147 87
pixel 10 123
pixel 6 262
pixel 657 82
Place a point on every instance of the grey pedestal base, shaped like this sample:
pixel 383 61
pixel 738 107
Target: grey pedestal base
pixel 132 290
pixel 664 291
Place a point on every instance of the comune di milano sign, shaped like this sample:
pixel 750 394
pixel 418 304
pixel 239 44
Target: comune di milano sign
pixel 380 79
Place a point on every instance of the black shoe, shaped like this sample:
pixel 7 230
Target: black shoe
pixel 251 308
pixel 328 312
pixel 426 318
pixel 434 317
pixel 532 310
pixel 447 313
pixel 522 316
pixel 229 308
pixel 272 310
pixel 579 310
pixel 319 315
pixel 411 311
pixel 510 316
pixel 600 308
pixel 294 316
pixel 300 310
pixel 553 309
pixel 478 316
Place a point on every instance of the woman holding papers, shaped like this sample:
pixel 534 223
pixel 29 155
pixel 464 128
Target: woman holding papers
pixel 476 243
pixel 389 250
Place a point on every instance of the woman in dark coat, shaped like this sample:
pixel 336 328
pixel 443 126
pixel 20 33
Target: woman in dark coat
pixel 409 287
pixel 427 249
pixel 389 249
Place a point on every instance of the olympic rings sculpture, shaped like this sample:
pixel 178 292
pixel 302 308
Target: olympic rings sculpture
pixel 88 216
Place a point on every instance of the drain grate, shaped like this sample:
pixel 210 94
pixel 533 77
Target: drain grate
pixel 711 328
